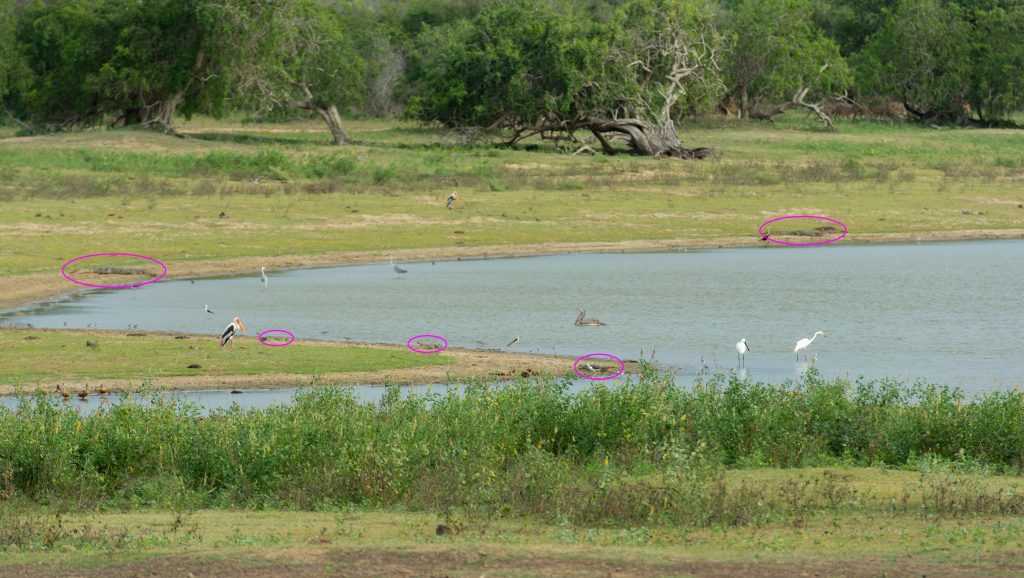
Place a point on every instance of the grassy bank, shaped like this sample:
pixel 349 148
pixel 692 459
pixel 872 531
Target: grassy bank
pixel 231 200
pixel 645 478
pixel 863 536
pixel 646 452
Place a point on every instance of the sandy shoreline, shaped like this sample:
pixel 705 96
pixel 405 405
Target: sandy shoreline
pixel 466 364
pixel 19 291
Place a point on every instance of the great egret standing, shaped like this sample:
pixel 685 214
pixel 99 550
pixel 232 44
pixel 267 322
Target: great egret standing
pixel 263 277
pixel 741 351
pixel 229 334
pixel 803 343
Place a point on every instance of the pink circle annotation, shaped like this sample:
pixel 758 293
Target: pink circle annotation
pixel 765 237
pixel 63 270
pixel 290 334
pixel 426 351
pixel 622 367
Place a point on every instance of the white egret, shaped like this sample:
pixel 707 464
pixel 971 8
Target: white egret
pixel 263 277
pixel 229 334
pixel 803 343
pixel 741 351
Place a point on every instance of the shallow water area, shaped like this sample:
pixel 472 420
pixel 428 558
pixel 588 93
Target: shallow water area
pixel 943 312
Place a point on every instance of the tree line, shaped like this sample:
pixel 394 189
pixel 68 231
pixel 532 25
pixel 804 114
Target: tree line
pixel 582 72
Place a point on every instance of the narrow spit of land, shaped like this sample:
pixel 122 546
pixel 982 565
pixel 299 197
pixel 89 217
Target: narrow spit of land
pixel 123 361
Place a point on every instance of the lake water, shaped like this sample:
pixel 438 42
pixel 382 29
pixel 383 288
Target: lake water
pixel 944 312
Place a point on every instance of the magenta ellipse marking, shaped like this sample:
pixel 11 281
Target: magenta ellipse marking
pixel 760 230
pixel 63 270
pixel 290 334
pixel 622 367
pixel 426 351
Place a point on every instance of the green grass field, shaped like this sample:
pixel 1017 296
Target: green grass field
pixel 140 192
pixel 880 527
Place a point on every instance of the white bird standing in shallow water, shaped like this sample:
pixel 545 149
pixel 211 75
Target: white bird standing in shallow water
pixel 207 309
pixel 397 269
pixel 741 351
pixel 263 277
pixel 803 343
pixel 229 334
pixel 451 200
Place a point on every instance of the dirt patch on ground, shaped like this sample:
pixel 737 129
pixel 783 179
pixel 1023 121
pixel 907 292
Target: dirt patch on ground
pixel 466 364
pixel 20 290
pixel 485 561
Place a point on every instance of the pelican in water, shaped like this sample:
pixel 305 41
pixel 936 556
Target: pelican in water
pixel 229 334
pixel 582 319
pixel 396 267
pixel 803 343
pixel 263 277
pixel 741 351
pixel 451 200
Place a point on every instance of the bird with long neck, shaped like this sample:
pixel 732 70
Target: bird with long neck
pixel 229 334
pixel 803 343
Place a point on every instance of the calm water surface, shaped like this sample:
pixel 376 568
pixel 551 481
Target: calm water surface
pixel 944 312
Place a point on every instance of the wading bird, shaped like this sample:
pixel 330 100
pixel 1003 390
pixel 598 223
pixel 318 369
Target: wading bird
pixel 803 343
pixel 513 342
pixel 207 309
pixel 229 333
pixel 263 277
pixel 397 269
pixel 741 350
pixel 581 319
pixel 451 200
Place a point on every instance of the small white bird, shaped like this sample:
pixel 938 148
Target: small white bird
pixel 741 350
pixel 207 309
pixel 229 334
pixel 451 200
pixel 263 277
pixel 513 342
pixel 803 343
pixel 397 269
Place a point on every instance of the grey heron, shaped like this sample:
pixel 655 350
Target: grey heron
pixel 513 342
pixel 397 269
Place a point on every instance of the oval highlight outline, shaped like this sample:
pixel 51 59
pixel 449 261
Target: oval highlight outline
pixel 133 286
pixel 760 230
pixel 408 344
pixel 290 334
pixel 622 367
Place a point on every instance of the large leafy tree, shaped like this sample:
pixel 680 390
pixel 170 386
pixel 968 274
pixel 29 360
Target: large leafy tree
pixel 292 54
pixel 527 67
pixel 780 55
pixel 921 56
pixel 137 62
pixel 997 57
pixel 7 45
